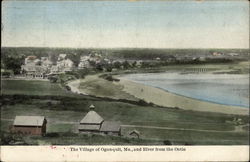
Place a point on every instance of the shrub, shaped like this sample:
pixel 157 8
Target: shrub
pixel 167 142
pixel 54 134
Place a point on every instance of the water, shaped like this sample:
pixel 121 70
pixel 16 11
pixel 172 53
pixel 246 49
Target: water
pixel 227 89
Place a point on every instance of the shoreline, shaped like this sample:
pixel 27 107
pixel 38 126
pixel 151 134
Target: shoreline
pixel 167 99
pixel 74 87
pixel 164 98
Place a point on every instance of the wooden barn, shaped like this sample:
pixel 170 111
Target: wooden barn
pixel 30 125
pixel 111 128
pixel 93 122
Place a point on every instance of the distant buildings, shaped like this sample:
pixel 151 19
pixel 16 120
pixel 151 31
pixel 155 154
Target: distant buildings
pixel 91 60
pixel 217 54
pixel 40 68
pixel 36 68
pixel 64 64
pixel 93 122
pixel 84 62
pixel 30 125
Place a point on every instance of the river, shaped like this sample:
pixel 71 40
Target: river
pixel 226 89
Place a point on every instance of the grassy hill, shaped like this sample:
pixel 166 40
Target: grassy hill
pixel 64 110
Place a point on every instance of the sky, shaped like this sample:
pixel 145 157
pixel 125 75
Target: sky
pixel 126 24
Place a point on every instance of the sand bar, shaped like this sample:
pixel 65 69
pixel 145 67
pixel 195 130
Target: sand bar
pixel 74 87
pixel 167 99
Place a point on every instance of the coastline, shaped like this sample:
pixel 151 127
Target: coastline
pixel 167 99
pixel 74 87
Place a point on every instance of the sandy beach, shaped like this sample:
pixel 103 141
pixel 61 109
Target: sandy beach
pixel 164 98
pixel 161 97
pixel 74 87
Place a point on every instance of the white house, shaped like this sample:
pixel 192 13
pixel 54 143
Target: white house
pixel 65 65
pixel 33 68
pixel 84 62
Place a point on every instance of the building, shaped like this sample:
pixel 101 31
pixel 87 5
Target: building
pixel 61 57
pixel 91 122
pixel 34 71
pixel 30 59
pixel 36 68
pixel 45 61
pixel 32 125
pixel 94 123
pixel 134 134
pixel 111 128
pixel 84 62
pixel 64 64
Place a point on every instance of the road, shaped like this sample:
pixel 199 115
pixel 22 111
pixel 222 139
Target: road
pixel 237 128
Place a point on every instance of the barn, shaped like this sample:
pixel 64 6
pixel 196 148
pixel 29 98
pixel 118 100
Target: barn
pixel 93 122
pixel 111 128
pixel 30 125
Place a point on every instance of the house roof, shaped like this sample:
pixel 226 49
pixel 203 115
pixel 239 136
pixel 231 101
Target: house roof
pixel 92 118
pixel 110 126
pixel 29 120
pixel 31 57
pixel 89 127
pixel 134 132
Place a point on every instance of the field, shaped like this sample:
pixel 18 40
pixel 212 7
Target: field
pixel 33 87
pixel 93 85
pixel 64 110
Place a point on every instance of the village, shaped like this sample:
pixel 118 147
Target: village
pixel 34 67
pixel 93 108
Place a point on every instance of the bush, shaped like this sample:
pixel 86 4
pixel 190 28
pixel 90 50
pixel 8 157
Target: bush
pixel 52 135
pixel 11 139
pixel 142 103
pixel 167 142
pixel 53 79
pixel 109 78
pixel 68 87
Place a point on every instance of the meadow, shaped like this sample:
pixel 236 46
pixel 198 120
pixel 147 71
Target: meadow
pixel 64 110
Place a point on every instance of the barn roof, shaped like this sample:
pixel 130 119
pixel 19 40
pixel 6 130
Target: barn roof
pixel 29 120
pixel 89 127
pixel 92 118
pixel 110 126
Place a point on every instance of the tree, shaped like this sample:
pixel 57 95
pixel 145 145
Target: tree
pixel 53 79
pixel 109 67
pixel 13 63
pixel 126 65
pixel 83 72
pixel 117 65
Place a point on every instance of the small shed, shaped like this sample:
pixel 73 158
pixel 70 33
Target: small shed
pixel 134 134
pixel 33 125
pixel 111 128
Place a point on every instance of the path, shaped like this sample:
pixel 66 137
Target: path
pixel 237 128
pixel 184 129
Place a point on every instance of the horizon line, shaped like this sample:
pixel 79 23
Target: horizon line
pixel 117 47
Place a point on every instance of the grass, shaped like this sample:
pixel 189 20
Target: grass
pixel 96 86
pixel 88 139
pixel 31 87
pixel 61 128
pixel 64 110
pixel 194 137
pixel 128 114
